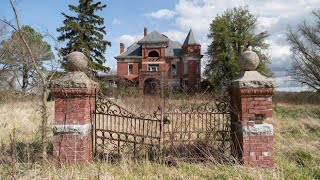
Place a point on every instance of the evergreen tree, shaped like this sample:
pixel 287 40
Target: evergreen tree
pixel 84 32
pixel 231 34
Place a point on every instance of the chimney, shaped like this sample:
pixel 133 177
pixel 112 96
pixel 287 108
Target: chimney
pixel 145 32
pixel 121 48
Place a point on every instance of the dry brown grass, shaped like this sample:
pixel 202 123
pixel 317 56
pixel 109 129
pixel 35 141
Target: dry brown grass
pixel 297 135
pixel 23 116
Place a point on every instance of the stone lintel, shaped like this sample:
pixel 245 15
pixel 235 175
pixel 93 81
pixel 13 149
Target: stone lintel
pixel 258 129
pixel 72 129
pixel 252 79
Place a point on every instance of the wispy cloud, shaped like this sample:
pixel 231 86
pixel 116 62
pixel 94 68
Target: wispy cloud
pixel 116 21
pixel 162 14
pixel 128 39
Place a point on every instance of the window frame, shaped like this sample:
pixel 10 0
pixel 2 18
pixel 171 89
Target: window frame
pixel 176 67
pixel 130 71
pixel 157 66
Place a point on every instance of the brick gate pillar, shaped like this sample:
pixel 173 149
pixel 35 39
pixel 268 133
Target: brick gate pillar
pixel 251 100
pixel 74 101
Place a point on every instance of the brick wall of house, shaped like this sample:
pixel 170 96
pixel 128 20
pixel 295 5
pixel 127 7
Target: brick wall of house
pixel 136 68
pixel 196 49
pixel 192 74
pixel 122 68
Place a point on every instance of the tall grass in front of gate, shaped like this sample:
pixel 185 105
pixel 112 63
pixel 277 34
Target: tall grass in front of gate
pixel 297 144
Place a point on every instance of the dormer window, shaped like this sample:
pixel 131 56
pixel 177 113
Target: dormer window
pixel 153 54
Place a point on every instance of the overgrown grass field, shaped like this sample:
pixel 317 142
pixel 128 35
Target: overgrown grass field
pixel 296 122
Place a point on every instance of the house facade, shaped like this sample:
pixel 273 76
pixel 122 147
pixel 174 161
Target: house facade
pixel 155 60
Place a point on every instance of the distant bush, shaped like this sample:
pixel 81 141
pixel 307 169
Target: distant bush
pixel 296 97
pixel 13 96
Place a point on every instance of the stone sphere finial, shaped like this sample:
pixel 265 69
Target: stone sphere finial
pixel 76 61
pixel 248 60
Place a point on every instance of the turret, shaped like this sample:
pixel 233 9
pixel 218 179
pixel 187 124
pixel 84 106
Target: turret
pixel 190 45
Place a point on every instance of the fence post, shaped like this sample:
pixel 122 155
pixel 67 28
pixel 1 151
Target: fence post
pixel 74 101
pixel 251 100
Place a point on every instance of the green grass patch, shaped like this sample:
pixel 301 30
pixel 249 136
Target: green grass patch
pixel 296 111
pixel 288 168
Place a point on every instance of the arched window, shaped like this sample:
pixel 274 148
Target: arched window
pixel 153 54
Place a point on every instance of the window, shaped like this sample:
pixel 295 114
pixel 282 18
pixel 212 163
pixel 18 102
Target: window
pixel 130 68
pixel 185 68
pixel 198 68
pixel 153 54
pixel 186 83
pixel 173 68
pixel 153 67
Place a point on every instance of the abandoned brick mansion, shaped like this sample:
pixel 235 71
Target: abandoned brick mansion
pixel 156 61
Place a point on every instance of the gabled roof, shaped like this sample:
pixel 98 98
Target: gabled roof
pixel 153 37
pixel 173 48
pixel 133 50
pixel 190 40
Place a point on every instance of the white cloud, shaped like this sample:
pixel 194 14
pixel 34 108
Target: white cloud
pixel 128 39
pixel 116 21
pixel 176 35
pixel 267 22
pixel 273 16
pixel 278 51
pixel 162 13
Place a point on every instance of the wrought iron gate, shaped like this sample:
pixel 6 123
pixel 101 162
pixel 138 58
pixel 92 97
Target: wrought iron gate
pixel 198 133
pixel 118 132
pixel 195 133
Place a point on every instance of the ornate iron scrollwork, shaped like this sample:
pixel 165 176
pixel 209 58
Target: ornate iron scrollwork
pixel 106 106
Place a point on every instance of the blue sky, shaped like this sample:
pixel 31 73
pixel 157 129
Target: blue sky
pixel 125 20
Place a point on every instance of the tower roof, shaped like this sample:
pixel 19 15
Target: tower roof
pixel 190 40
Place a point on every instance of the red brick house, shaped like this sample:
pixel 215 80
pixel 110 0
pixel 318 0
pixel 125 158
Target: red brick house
pixel 156 60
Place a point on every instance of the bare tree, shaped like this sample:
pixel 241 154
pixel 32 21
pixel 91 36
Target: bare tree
pixel 43 79
pixel 305 48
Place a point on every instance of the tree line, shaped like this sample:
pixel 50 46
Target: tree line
pixel 230 34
